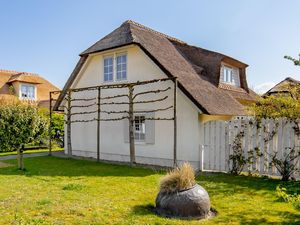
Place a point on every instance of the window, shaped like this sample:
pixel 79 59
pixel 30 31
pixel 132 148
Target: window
pixel 139 128
pixel 108 69
pixel 28 91
pixel 230 75
pixel 121 67
pixel 227 71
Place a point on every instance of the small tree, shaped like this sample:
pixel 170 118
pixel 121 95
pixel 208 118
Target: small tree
pixel 20 124
pixel 286 165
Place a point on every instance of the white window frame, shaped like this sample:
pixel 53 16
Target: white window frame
pixel 115 67
pixel 104 66
pixel 228 74
pixel 121 64
pixel 142 128
pixel 28 98
pixel 229 78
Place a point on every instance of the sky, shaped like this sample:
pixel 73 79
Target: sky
pixel 46 37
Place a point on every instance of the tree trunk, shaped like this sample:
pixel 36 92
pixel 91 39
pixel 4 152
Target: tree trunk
pixel 20 159
pixel 131 126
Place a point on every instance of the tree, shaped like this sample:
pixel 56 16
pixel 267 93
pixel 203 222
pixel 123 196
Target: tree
pixel 57 127
pixel 295 61
pixel 279 105
pixel 20 124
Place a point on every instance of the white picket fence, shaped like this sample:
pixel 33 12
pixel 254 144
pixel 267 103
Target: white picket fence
pixel 218 138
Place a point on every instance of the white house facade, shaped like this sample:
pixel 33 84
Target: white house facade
pixel 134 61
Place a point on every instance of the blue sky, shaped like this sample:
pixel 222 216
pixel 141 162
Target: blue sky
pixel 46 37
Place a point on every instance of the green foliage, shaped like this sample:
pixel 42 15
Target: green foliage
pixel 20 124
pixel 57 127
pixel 276 107
pixel 295 61
pixel 283 195
pixel 279 105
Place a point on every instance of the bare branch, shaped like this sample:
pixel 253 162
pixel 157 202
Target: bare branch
pixel 83 106
pixel 158 118
pixel 114 103
pixel 83 99
pixel 116 96
pixel 114 119
pixel 151 101
pixel 81 113
pixel 111 112
pixel 154 110
pixel 153 92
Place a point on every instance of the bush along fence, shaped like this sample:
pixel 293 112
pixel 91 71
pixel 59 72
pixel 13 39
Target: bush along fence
pixel 264 146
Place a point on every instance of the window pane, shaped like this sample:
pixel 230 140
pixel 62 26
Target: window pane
pixel 108 69
pixel 121 67
pixel 139 128
pixel 28 91
pixel 119 75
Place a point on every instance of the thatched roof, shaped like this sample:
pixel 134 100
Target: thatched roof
pixel 8 77
pixel 283 86
pixel 197 69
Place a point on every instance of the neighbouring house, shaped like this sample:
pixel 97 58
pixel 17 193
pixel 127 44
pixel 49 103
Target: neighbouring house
pixel 283 87
pixel 26 87
pixel 211 86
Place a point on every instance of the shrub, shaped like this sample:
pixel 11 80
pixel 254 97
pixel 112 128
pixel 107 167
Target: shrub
pixel 178 179
pixel 283 195
pixel 287 164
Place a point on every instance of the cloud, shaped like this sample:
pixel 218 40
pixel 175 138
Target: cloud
pixel 264 87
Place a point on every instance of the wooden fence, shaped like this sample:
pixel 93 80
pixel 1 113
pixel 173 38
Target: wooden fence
pixel 262 139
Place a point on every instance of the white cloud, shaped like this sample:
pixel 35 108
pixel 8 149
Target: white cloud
pixel 264 87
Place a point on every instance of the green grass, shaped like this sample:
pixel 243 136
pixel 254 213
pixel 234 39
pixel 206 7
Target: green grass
pixel 30 151
pixel 63 191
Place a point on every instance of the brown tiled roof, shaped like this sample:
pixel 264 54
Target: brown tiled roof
pixel 283 86
pixel 7 77
pixel 197 69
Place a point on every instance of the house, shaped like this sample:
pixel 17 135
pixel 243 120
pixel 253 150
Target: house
pixel 283 88
pixel 26 87
pixel 211 86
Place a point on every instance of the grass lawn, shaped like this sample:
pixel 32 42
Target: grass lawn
pixel 63 191
pixel 30 151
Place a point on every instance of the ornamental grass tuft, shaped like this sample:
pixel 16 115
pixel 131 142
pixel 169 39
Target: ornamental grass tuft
pixel 180 178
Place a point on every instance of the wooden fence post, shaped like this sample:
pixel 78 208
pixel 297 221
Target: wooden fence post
pixel 50 123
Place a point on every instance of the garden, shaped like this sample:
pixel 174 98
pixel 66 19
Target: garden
pixel 56 190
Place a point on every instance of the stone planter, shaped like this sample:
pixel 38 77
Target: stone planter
pixel 190 203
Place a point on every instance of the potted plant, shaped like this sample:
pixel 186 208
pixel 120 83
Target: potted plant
pixel 180 195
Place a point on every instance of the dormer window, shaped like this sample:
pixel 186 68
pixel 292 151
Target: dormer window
pixel 27 92
pixel 230 75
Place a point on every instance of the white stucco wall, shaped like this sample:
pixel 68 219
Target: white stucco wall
pixel 113 147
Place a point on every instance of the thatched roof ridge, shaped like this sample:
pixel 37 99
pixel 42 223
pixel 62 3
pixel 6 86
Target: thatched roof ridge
pixel 197 69
pixel 283 86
